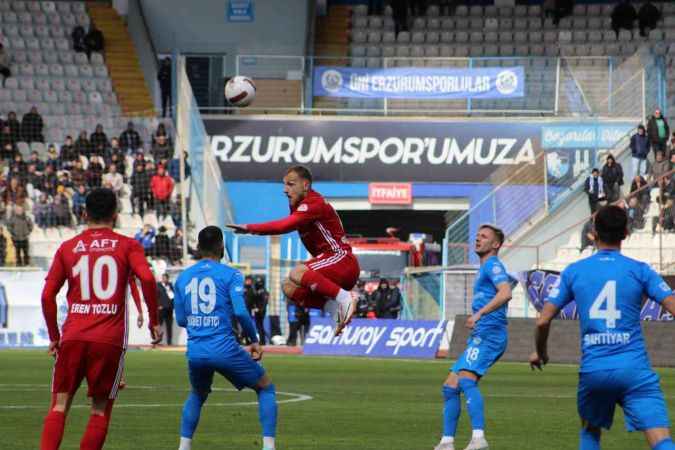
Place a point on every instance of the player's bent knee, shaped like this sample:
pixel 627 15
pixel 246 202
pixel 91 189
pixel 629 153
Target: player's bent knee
pixel 452 380
pixel 61 402
pixel 296 274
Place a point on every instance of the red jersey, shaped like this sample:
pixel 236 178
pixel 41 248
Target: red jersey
pixel 316 221
pixel 98 264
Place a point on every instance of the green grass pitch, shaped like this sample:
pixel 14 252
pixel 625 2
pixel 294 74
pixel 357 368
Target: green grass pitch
pixel 355 404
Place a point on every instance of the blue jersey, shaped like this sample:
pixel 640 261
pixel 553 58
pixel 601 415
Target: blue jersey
pixel 208 296
pixel 492 273
pixel 609 289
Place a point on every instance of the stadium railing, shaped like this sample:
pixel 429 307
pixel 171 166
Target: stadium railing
pixel 555 86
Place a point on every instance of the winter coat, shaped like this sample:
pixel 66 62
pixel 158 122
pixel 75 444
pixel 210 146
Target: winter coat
pixel 162 187
pixel 653 130
pixel 613 174
pixel 20 227
pixel 640 146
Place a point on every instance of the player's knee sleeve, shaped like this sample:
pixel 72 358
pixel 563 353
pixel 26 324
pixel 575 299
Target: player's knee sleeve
pixel 589 439
pixel 449 392
pixel 666 444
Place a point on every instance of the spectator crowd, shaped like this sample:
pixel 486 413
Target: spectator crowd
pixel 47 187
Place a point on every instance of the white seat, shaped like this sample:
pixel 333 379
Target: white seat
pixel 56 70
pixel 71 71
pixel 26 30
pixel 101 72
pixel 86 71
pixel 65 57
pixel 42 70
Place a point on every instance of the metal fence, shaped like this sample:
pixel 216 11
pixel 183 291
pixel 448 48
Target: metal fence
pixel 554 86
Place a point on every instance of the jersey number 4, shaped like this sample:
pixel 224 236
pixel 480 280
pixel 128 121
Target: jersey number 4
pixel 610 314
pixel 89 281
pixel 202 295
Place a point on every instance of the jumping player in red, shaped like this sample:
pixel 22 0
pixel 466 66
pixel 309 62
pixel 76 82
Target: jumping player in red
pixel 97 264
pixel 325 280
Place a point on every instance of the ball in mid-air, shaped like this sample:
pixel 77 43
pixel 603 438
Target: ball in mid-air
pixel 240 91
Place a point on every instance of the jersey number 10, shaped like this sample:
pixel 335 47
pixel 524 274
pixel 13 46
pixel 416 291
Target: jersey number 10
pixel 610 314
pixel 95 280
pixel 202 295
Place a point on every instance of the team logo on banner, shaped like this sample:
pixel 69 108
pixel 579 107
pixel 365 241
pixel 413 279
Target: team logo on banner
pixel 331 80
pixel 557 164
pixel 507 82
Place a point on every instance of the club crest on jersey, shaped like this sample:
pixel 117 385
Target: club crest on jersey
pixel 496 270
pixel 80 247
pixel 477 341
pixel 303 207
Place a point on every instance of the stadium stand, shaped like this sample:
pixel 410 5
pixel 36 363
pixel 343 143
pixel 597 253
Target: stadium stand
pixel 583 41
pixel 73 95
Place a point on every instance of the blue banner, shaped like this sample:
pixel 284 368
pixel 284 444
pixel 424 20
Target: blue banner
pixel 379 338
pixel 583 135
pixel 538 283
pixel 420 83
pixel 240 11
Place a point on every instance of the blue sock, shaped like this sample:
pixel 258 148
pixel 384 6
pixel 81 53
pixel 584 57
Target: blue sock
pixel 191 412
pixel 451 410
pixel 666 444
pixel 267 410
pixel 474 402
pixel 589 440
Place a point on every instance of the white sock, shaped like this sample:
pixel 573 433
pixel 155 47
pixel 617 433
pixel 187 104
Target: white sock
pixel 185 444
pixel 343 298
pixel 268 443
pixel 478 434
pixel 330 308
pixel 448 440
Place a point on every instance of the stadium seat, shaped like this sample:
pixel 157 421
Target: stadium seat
pixel 71 71
pixel 39 18
pixel 34 57
pixel 10 17
pixel 357 50
pixel 26 30
pixel 42 70
pixel 388 51
pixel 403 37
pixel 5 96
pixel 462 11
pixel 51 57
pixel 373 51
pixel 375 22
pixel 69 20
pixel 65 57
pixel 57 31
pixel 41 31
pixel 62 44
pixel 418 37
pixel 25 17
pixel 32 43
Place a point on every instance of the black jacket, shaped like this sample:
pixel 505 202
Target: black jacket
pixel 94 40
pixel 140 182
pixel 653 130
pixel 611 175
pixel 163 296
pixel 130 139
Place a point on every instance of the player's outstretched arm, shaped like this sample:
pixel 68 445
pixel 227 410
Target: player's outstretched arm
pixel 502 297
pixel 540 357
pixel 55 279
pixel 140 268
pixel 303 215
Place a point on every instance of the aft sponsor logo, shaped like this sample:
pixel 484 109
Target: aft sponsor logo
pixel 360 150
pixel 383 338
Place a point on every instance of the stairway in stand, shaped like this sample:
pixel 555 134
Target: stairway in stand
pixel 331 47
pixel 122 61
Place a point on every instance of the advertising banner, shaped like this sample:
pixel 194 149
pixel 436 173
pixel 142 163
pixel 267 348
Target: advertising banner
pixel 382 338
pixel 390 193
pixel 420 83
pixel 240 11
pixel 538 283
pixel 371 149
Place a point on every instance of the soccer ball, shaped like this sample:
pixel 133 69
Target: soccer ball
pixel 240 91
pixel 278 340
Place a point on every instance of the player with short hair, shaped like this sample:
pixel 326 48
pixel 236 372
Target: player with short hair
pixel 609 290
pixel 97 264
pixel 325 281
pixel 207 296
pixel 486 344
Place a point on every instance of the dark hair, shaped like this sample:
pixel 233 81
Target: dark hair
pixel 595 169
pixel 301 171
pixel 497 231
pixel 101 205
pixel 610 156
pixel 610 224
pixel 210 241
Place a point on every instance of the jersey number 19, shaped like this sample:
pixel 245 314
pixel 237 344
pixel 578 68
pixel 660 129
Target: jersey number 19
pixel 202 295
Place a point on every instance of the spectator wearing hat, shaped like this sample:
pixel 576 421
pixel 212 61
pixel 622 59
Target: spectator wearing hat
pixel 162 188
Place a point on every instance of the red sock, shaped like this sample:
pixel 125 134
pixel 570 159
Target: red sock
pixel 94 436
pixel 52 433
pixel 307 299
pixel 319 284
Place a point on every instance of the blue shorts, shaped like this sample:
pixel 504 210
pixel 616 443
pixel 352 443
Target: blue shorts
pixel 637 391
pixel 482 351
pixel 238 367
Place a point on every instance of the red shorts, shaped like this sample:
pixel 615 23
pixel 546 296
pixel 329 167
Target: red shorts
pixel 342 269
pixel 101 364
